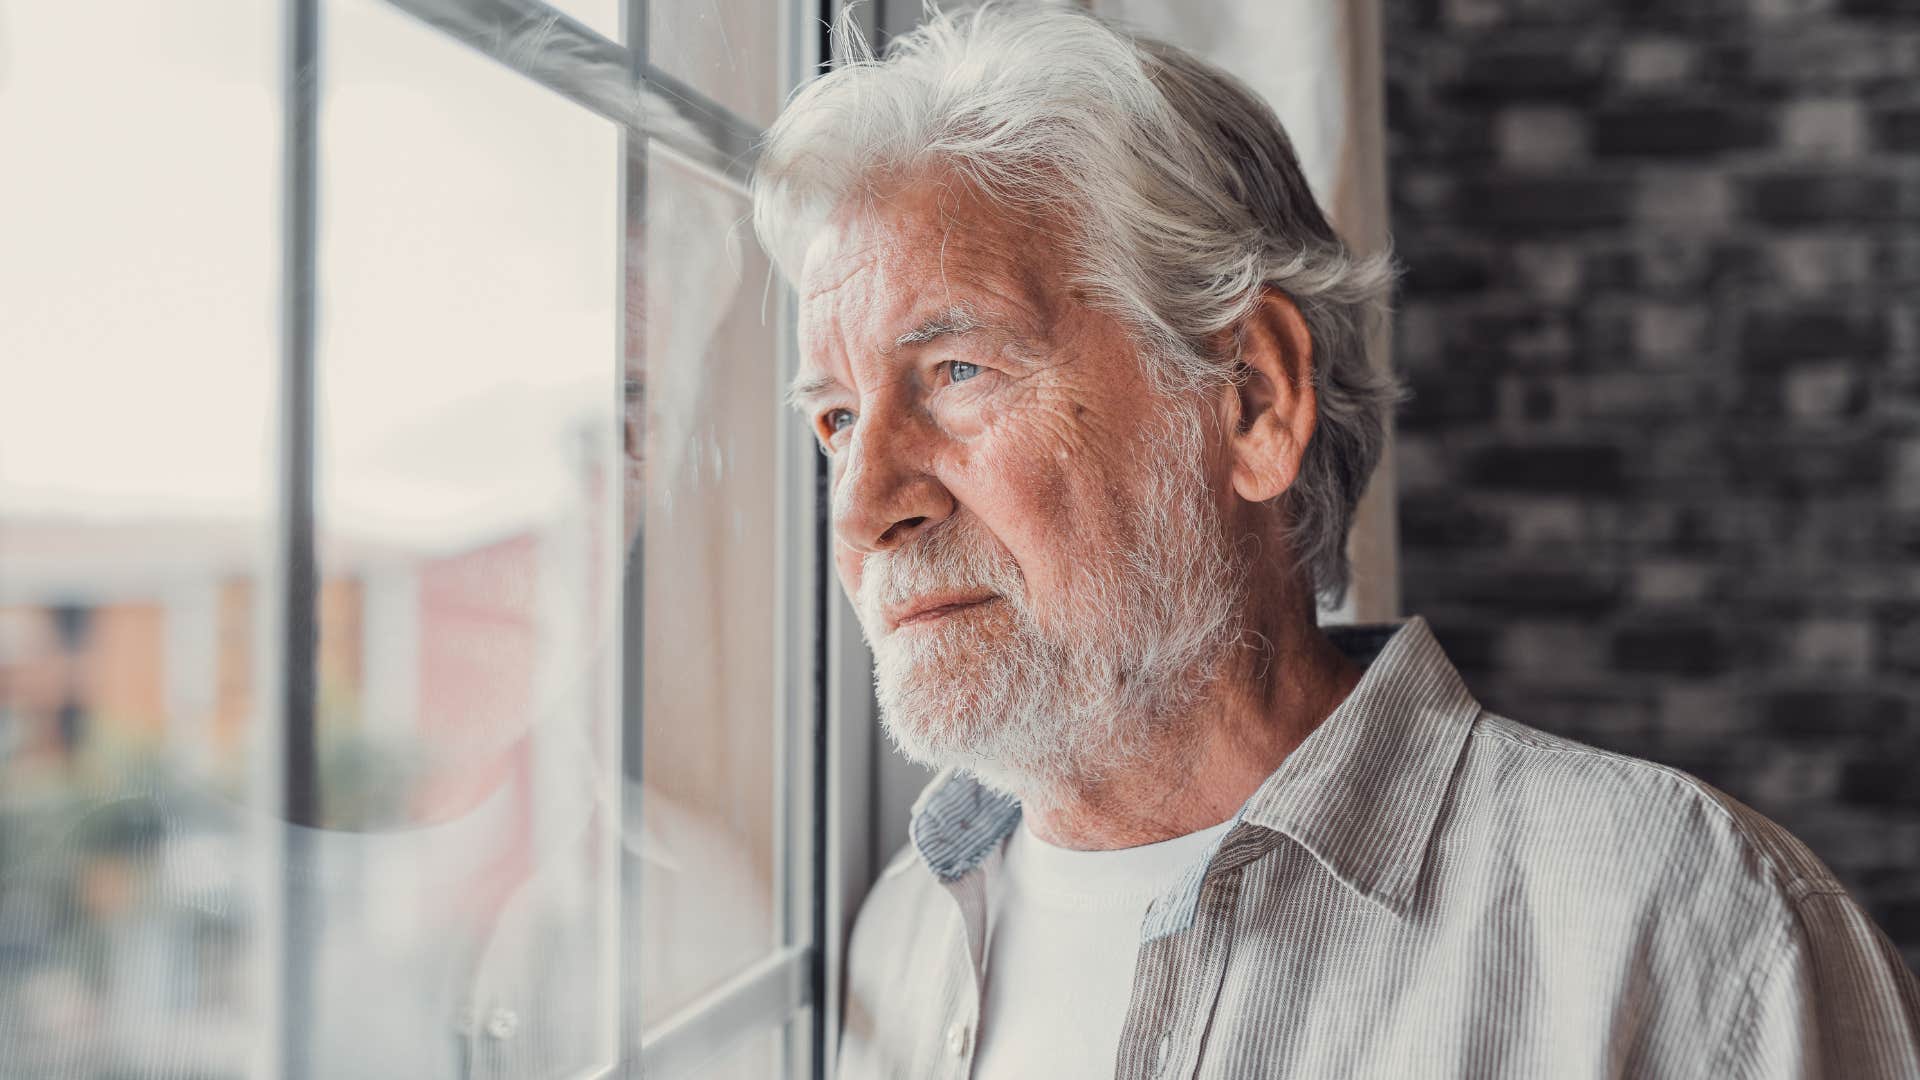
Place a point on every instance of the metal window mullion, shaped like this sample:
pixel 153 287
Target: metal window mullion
pixel 850 736
pixel 767 994
pixel 570 59
pixel 620 84
pixel 803 684
pixel 731 143
pixel 299 793
pixel 633 224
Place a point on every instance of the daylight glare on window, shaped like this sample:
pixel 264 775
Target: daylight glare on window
pixel 391 681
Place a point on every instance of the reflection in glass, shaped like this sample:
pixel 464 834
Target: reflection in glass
pixel 757 1055
pixel 477 847
pixel 733 51
pixel 468 516
pixel 600 16
pixel 138 356
pixel 711 716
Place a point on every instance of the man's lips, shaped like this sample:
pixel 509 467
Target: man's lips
pixel 935 606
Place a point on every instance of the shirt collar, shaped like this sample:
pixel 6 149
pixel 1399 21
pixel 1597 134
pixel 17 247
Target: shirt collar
pixel 1362 793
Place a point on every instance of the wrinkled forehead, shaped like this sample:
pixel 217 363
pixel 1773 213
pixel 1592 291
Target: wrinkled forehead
pixel 932 242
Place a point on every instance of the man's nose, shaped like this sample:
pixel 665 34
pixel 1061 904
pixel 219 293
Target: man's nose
pixel 887 492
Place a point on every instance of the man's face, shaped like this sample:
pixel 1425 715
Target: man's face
pixel 1028 530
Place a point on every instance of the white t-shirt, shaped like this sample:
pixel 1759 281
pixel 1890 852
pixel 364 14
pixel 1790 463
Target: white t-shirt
pixel 1063 932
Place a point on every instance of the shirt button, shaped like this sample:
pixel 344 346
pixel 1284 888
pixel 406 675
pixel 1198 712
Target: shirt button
pixel 502 1023
pixel 957 1040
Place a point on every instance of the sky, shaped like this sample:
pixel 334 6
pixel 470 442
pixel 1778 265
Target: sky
pixel 469 247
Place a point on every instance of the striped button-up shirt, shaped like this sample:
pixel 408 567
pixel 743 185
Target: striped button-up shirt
pixel 1426 889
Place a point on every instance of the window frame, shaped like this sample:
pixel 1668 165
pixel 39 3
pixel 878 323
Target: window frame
pixel 619 83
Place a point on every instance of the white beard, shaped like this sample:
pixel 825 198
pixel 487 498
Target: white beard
pixel 1040 712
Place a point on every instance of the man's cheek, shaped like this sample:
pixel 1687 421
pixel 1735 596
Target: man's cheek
pixel 846 564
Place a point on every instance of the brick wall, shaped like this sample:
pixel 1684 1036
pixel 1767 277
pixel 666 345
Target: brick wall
pixel 1660 478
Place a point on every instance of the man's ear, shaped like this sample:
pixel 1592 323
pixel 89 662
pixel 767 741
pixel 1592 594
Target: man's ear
pixel 1271 411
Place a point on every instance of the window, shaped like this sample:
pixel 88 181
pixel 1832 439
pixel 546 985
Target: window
pixel 414 648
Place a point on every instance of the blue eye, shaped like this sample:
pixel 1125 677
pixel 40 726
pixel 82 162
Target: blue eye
pixel 838 419
pixel 961 371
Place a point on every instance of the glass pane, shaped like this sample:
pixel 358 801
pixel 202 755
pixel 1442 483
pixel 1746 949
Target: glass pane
pixel 760 1056
pixel 468 508
pixel 600 16
pixel 712 738
pixel 730 50
pixel 139 205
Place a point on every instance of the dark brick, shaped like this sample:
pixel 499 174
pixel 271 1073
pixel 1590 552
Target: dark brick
pixel 1684 264
pixel 1759 397
pixel 1897 129
pixel 1579 13
pixel 1606 717
pixel 1608 329
pixel 1596 468
pixel 1831 713
pixel 1546 203
pixel 1688 13
pixel 1806 464
pixel 1655 130
pixel 1885 879
pixel 1514 338
pixel 1901 921
pixel 1677 264
pixel 1442 136
pixel 1444 520
pixel 1811 198
pixel 1507 592
pixel 1815 396
pixel 1705 306
pixel 1881 8
pixel 1899 629
pixel 1904 534
pixel 1610 268
pixel 1678 458
pixel 1880 783
pixel 1568 593
pixel 1734 525
pixel 1469 647
pixel 1431 273
pixel 1424 194
pixel 1535 402
pixel 1708 763
pixel 1446 399
pixel 1554 68
pixel 1671 648
pixel 1842 530
pixel 1679 398
pixel 1406 15
pixel 1724 65
pixel 1775 337
pixel 1896 260
pixel 1830 55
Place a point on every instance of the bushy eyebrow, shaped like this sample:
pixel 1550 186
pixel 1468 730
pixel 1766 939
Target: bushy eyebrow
pixel 956 319
pixel 808 387
pixel 951 321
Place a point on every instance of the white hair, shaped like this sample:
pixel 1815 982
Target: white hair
pixel 1183 199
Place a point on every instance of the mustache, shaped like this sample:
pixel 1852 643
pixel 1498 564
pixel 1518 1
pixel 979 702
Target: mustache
pixel 949 555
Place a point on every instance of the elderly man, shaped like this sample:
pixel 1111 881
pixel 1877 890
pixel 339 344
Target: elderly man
pixel 1089 366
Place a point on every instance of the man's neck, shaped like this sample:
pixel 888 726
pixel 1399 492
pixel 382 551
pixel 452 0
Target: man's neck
pixel 1264 704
